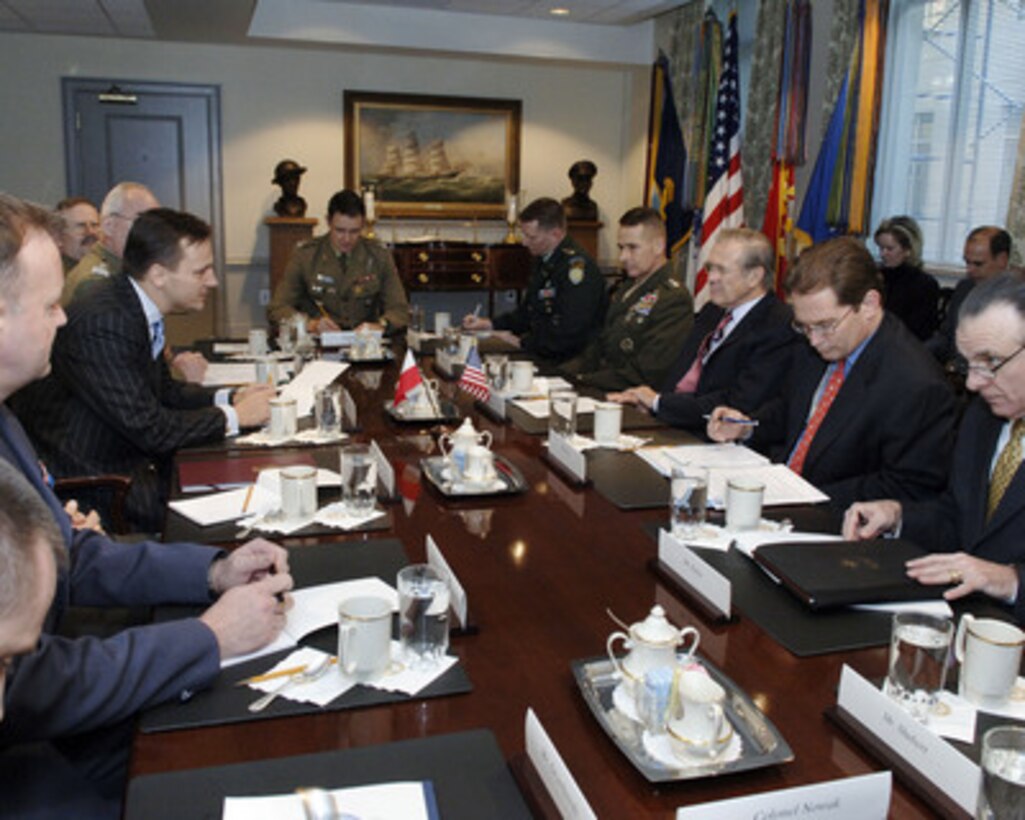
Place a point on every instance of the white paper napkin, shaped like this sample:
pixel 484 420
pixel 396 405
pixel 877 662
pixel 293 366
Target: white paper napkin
pixel 625 443
pixel 263 438
pixel 336 515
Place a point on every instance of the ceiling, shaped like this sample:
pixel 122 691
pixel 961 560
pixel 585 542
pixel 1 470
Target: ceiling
pixel 229 20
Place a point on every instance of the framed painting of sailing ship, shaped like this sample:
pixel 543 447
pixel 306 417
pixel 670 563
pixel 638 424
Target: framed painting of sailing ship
pixel 433 157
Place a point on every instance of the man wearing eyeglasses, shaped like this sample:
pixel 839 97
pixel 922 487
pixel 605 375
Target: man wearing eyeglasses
pixel 866 413
pixel 121 205
pixel 976 524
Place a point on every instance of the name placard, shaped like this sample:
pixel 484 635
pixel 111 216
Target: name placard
pixel 349 410
pixel 681 559
pixel 455 589
pixel 866 797
pixel 385 472
pixel 568 456
pixel 496 403
pixel 551 768
pixel 939 762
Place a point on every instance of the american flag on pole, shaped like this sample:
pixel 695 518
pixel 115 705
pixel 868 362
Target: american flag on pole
pixel 724 199
pixel 473 380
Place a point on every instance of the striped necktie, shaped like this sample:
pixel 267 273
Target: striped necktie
pixel 833 386
pixel 1007 465
pixel 157 338
pixel 689 382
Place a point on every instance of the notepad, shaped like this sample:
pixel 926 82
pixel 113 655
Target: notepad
pixel 317 607
pixel 383 801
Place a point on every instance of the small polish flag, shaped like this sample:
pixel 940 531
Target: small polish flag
pixel 409 380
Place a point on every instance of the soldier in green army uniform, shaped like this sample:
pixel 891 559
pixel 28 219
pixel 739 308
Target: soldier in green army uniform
pixel 342 280
pixel 565 302
pixel 648 318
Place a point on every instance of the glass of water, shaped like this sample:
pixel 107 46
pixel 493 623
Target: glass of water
pixel 688 500
pixel 327 405
pixel 359 479
pixel 562 418
pixel 423 615
pixel 1002 792
pixel 919 647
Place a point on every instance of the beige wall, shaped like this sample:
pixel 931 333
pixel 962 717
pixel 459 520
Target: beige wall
pixel 278 102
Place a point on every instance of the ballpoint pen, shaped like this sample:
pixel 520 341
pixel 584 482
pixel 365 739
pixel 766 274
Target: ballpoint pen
pixel 732 420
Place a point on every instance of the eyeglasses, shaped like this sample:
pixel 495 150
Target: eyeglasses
pixel 824 329
pixel 989 370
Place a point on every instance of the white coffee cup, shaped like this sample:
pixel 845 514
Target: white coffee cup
pixel 298 492
pixel 283 417
pixel 480 464
pixel 743 504
pixel 698 725
pixel 364 636
pixel 989 652
pixel 258 342
pixel 522 376
pixel 608 422
pixel 442 320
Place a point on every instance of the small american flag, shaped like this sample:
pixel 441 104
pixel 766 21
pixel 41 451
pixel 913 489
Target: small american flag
pixel 473 380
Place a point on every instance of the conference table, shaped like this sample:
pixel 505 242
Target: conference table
pixel 541 570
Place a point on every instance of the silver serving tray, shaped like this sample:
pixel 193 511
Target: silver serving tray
pixel 762 744
pixel 436 470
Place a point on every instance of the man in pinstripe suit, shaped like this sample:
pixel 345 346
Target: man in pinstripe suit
pixel 111 405
pixel 77 696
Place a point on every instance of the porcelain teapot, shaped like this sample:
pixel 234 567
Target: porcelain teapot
pixel 454 446
pixel 650 644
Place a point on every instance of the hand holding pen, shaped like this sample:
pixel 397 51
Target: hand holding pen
pixel 729 424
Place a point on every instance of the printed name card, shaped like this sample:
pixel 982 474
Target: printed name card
pixel 866 797
pixel 455 589
pixel 445 362
pixel 349 410
pixel 568 456
pixel 552 770
pixel 696 572
pixel 385 472
pixel 496 403
pixel 933 757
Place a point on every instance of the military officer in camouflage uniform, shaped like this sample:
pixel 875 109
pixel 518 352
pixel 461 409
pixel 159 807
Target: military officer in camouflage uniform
pixel 565 302
pixel 648 318
pixel 342 280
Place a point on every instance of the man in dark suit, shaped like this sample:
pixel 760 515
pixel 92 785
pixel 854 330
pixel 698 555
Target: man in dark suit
pixel 80 692
pixel 739 350
pixel 867 412
pixel 987 251
pixel 976 525
pixel 111 405
pixel 565 302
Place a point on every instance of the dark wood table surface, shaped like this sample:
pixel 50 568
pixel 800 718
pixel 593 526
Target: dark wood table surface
pixel 540 570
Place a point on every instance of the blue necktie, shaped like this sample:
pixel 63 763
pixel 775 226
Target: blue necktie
pixel 157 335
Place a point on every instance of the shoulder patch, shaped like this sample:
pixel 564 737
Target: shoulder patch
pixel 576 270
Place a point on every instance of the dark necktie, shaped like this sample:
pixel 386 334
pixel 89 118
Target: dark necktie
pixel 689 382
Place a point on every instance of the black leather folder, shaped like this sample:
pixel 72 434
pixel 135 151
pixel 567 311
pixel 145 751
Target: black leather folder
pixel 827 574
pixel 467 770
pixel 224 702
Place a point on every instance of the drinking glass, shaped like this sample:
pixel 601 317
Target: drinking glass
pixel 688 500
pixel 919 647
pixel 423 615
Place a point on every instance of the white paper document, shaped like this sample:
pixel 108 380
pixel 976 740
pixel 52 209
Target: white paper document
pixel 720 456
pixel 384 801
pixel 224 374
pixel 315 375
pixel 224 348
pixel 316 607
pixel 230 505
pixel 538 407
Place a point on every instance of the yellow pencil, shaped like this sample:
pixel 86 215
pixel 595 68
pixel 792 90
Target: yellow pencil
pixel 281 673
pixel 249 497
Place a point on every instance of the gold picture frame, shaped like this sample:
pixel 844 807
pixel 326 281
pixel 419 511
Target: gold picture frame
pixel 433 157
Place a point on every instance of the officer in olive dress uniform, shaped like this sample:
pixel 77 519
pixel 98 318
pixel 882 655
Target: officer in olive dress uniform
pixel 342 280
pixel 564 305
pixel 648 318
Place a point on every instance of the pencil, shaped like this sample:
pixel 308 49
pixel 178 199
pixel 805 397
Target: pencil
pixel 281 673
pixel 249 497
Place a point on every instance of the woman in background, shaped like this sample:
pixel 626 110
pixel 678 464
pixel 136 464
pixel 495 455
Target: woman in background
pixel 909 293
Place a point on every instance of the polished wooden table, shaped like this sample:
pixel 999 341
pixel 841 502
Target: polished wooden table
pixel 540 570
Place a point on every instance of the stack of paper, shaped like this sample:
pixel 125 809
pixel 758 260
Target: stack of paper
pixel 725 461
pixel 384 801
